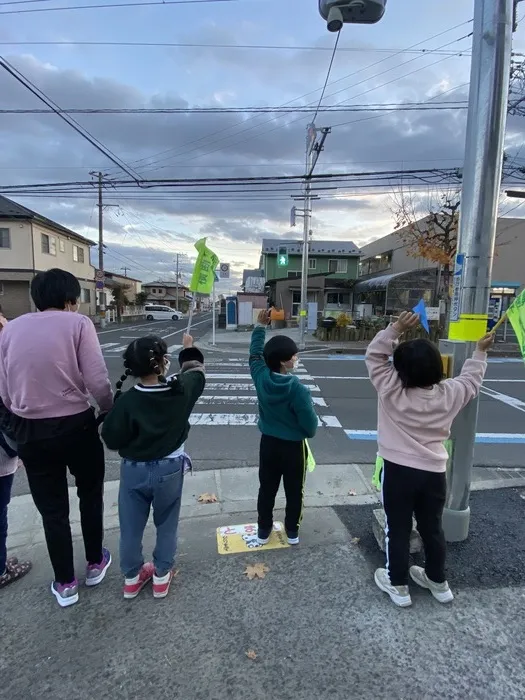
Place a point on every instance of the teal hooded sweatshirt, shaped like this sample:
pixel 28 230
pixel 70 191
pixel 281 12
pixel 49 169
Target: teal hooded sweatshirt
pixel 286 408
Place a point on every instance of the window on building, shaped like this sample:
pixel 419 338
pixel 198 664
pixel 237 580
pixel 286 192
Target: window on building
pixel 85 297
pixel 78 254
pixel 312 264
pixel 49 244
pixel 296 303
pixel 61 245
pixel 5 238
pixel 340 266
pixel 294 274
pixel 338 298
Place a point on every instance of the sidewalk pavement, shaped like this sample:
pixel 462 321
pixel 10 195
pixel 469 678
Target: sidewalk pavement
pixel 236 492
pixel 315 627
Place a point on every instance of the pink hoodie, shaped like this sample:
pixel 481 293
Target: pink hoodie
pixel 413 424
pixel 50 363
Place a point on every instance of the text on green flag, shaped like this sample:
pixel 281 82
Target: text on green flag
pixel 516 315
pixel 204 272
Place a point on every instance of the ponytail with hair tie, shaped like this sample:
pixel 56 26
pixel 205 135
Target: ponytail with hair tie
pixel 120 382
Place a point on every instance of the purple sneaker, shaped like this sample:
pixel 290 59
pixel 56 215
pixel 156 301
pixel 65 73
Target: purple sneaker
pixel 65 593
pixel 95 573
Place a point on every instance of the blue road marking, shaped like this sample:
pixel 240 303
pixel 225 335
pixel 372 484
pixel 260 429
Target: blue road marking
pixel 481 438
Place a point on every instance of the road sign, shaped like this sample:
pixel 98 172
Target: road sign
pixel 99 275
pixel 99 284
pixel 457 290
pixel 224 270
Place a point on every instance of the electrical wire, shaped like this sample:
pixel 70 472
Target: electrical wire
pixel 17 75
pixel 402 107
pixel 143 3
pixel 187 45
pixel 300 97
pixel 327 75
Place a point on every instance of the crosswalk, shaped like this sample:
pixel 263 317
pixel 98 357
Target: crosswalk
pixel 229 390
pixel 113 349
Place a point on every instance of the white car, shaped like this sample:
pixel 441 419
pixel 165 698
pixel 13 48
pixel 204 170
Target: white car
pixel 155 312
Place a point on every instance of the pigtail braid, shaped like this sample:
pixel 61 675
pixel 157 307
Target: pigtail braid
pixel 121 381
pixel 154 353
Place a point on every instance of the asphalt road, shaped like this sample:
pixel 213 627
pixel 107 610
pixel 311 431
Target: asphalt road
pixel 224 432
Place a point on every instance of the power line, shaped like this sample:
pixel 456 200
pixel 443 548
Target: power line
pixel 289 102
pixel 257 126
pixel 17 75
pixel 108 5
pixel 402 107
pixel 260 47
pixel 327 75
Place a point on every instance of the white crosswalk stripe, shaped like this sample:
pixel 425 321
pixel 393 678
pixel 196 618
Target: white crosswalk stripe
pixel 223 401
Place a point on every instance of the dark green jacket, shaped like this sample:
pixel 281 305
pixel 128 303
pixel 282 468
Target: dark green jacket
pixel 150 422
pixel 286 409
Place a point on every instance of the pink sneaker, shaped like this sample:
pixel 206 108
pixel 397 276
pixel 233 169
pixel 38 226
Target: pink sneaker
pixel 133 586
pixel 161 584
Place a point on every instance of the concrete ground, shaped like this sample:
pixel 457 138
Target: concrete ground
pixel 315 627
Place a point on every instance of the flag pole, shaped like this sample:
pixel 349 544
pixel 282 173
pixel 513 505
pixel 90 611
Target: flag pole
pixel 498 324
pixel 190 317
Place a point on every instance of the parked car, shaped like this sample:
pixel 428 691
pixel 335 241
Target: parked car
pixel 155 312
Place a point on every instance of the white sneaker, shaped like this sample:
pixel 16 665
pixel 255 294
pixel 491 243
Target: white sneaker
pixel 440 591
pixel 399 595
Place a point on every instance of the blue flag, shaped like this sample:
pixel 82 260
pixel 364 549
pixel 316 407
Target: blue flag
pixel 421 309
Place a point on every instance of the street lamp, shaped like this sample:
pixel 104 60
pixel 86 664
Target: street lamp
pixel 339 12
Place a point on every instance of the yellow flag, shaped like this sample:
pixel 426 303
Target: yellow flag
pixel 516 315
pixel 204 272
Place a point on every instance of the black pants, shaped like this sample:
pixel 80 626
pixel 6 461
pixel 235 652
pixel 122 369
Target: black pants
pixel 46 463
pixel 286 459
pixel 408 492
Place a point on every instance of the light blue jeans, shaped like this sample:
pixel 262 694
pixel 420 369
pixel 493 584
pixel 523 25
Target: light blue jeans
pixel 142 485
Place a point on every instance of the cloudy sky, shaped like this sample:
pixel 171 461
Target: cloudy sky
pixel 380 64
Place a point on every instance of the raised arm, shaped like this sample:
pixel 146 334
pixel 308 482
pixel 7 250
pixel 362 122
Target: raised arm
pixel 466 386
pixel 380 370
pixel 257 363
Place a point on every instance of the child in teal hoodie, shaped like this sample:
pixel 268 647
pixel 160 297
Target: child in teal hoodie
pixel 286 419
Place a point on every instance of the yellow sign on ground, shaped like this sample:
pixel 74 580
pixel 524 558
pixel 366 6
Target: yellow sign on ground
pixel 238 539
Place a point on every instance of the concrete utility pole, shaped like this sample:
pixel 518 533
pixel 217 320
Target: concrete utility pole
pixel 489 86
pixel 125 270
pixel 101 251
pixel 313 149
pixel 178 256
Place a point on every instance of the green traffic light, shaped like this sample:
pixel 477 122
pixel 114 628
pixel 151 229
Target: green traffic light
pixel 282 260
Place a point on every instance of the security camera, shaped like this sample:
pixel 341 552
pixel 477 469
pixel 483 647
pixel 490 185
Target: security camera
pixel 334 21
pixel 339 12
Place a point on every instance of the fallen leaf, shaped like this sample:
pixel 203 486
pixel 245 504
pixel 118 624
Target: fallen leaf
pixel 355 540
pixel 207 498
pixel 258 570
pixel 352 492
pixel 251 654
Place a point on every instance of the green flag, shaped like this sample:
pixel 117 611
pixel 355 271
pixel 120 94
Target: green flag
pixel 516 315
pixel 204 272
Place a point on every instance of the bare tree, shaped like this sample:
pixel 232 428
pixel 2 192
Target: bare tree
pixel 428 226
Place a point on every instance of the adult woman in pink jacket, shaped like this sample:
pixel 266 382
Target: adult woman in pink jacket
pixel 50 364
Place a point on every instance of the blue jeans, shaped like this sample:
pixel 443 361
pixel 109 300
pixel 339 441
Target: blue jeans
pixel 142 485
pixel 6 482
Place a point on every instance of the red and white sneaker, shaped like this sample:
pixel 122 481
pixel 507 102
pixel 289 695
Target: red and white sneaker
pixel 161 584
pixel 133 586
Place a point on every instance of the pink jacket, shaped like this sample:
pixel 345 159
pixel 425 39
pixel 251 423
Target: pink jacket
pixel 50 363
pixel 413 424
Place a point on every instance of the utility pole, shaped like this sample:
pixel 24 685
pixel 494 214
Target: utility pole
pixel 125 270
pixel 178 256
pixel 101 252
pixel 313 149
pixel 489 85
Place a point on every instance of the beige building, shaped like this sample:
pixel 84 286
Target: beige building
pixel 386 261
pixel 167 294
pixel 30 243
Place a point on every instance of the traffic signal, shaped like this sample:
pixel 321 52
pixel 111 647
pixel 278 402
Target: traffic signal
pixel 282 257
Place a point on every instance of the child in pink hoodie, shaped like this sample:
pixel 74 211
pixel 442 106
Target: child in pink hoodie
pixel 416 408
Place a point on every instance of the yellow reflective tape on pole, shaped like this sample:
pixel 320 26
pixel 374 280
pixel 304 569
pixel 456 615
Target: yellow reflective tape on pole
pixel 469 327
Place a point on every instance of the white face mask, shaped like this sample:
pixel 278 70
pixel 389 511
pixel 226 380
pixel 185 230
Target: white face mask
pixel 167 364
pixel 296 364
